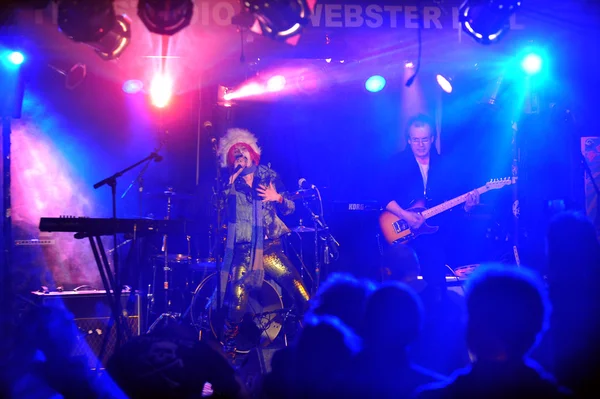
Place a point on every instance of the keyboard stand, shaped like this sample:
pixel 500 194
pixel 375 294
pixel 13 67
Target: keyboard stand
pixel 113 295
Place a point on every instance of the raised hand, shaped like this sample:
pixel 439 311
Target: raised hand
pixel 268 193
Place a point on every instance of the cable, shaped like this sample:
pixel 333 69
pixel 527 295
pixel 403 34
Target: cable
pixel 242 55
pixel 410 80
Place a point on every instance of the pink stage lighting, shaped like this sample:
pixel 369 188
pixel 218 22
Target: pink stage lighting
pixel 161 90
pixel 247 90
pixel 276 83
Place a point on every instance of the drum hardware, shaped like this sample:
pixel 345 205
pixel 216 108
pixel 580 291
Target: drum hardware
pixel 110 251
pixel 170 193
pixel 167 261
pixel 266 310
pixel 303 229
pixel 303 269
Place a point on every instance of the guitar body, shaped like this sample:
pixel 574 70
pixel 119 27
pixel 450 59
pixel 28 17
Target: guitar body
pixel 396 230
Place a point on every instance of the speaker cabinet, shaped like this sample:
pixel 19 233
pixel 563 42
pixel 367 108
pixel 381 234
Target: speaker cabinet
pixel 92 312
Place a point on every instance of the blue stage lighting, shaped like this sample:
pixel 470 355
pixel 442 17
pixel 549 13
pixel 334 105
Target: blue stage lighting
pixel 532 63
pixel 16 58
pixel 132 86
pixel 375 83
pixel 444 83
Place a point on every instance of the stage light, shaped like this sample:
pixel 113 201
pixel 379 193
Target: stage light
pixel 487 20
pixel 276 83
pixel 165 17
pixel 444 83
pixel 532 63
pixel 95 24
pixel 375 83
pixel 161 90
pixel 409 64
pixel 74 76
pixel 132 86
pixel 279 19
pixel 16 58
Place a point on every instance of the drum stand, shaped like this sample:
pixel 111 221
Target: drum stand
pixel 169 314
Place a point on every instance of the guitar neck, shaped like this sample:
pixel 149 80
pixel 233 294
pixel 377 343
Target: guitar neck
pixel 450 204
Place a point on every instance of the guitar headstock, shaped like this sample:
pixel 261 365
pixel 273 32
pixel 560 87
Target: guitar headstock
pixel 495 184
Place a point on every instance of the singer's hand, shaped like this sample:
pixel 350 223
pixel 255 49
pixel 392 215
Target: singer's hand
pixel 235 175
pixel 268 193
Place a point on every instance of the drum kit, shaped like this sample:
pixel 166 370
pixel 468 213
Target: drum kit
pixel 183 289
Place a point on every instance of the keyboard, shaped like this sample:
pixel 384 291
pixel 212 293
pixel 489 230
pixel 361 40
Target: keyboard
pixel 85 226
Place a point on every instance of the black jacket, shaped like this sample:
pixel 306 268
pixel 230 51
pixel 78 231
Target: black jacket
pixel 402 180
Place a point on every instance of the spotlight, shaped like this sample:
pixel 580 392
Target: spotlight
pixel 532 64
pixel 375 83
pixel 16 58
pixel 165 17
pixel 279 19
pixel 161 90
pixel 74 76
pixel 487 20
pixel 132 86
pixel 444 83
pixel 276 83
pixel 95 24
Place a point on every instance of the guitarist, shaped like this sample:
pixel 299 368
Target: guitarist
pixel 420 173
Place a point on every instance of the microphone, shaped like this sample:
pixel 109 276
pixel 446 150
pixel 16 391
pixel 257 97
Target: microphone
pixel 237 168
pixel 304 185
pixel 208 128
pixel 157 157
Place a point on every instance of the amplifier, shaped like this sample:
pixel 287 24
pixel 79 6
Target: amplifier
pixel 91 312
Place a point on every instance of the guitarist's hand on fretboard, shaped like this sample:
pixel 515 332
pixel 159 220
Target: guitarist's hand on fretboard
pixel 472 200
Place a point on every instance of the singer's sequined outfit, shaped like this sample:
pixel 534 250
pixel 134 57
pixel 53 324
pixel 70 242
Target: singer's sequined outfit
pixel 244 207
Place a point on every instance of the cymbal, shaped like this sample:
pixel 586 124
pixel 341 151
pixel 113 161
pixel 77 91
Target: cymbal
pixel 172 194
pixel 203 263
pixel 178 258
pixel 195 263
pixel 302 229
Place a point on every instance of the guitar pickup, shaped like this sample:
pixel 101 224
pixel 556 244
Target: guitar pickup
pixel 400 226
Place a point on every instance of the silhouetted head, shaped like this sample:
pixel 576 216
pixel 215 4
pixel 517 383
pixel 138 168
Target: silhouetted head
pixel 508 311
pixel 572 247
pixel 323 349
pixel 49 329
pixel 393 316
pixel 344 297
pixel 401 263
pixel 324 336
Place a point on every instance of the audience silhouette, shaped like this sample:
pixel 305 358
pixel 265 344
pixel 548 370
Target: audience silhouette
pixel 508 312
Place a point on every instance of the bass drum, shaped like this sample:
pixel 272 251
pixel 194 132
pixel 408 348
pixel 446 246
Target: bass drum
pixel 265 306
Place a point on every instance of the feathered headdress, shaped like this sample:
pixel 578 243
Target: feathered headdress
pixel 237 136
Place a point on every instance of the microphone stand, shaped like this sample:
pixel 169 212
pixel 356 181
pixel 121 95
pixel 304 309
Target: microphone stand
pixel 588 170
pixel 111 181
pixel 320 225
pixel 139 251
pixel 139 177
pixel 213 246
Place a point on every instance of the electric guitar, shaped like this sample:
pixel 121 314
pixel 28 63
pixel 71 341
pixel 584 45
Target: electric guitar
pixel 397 230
